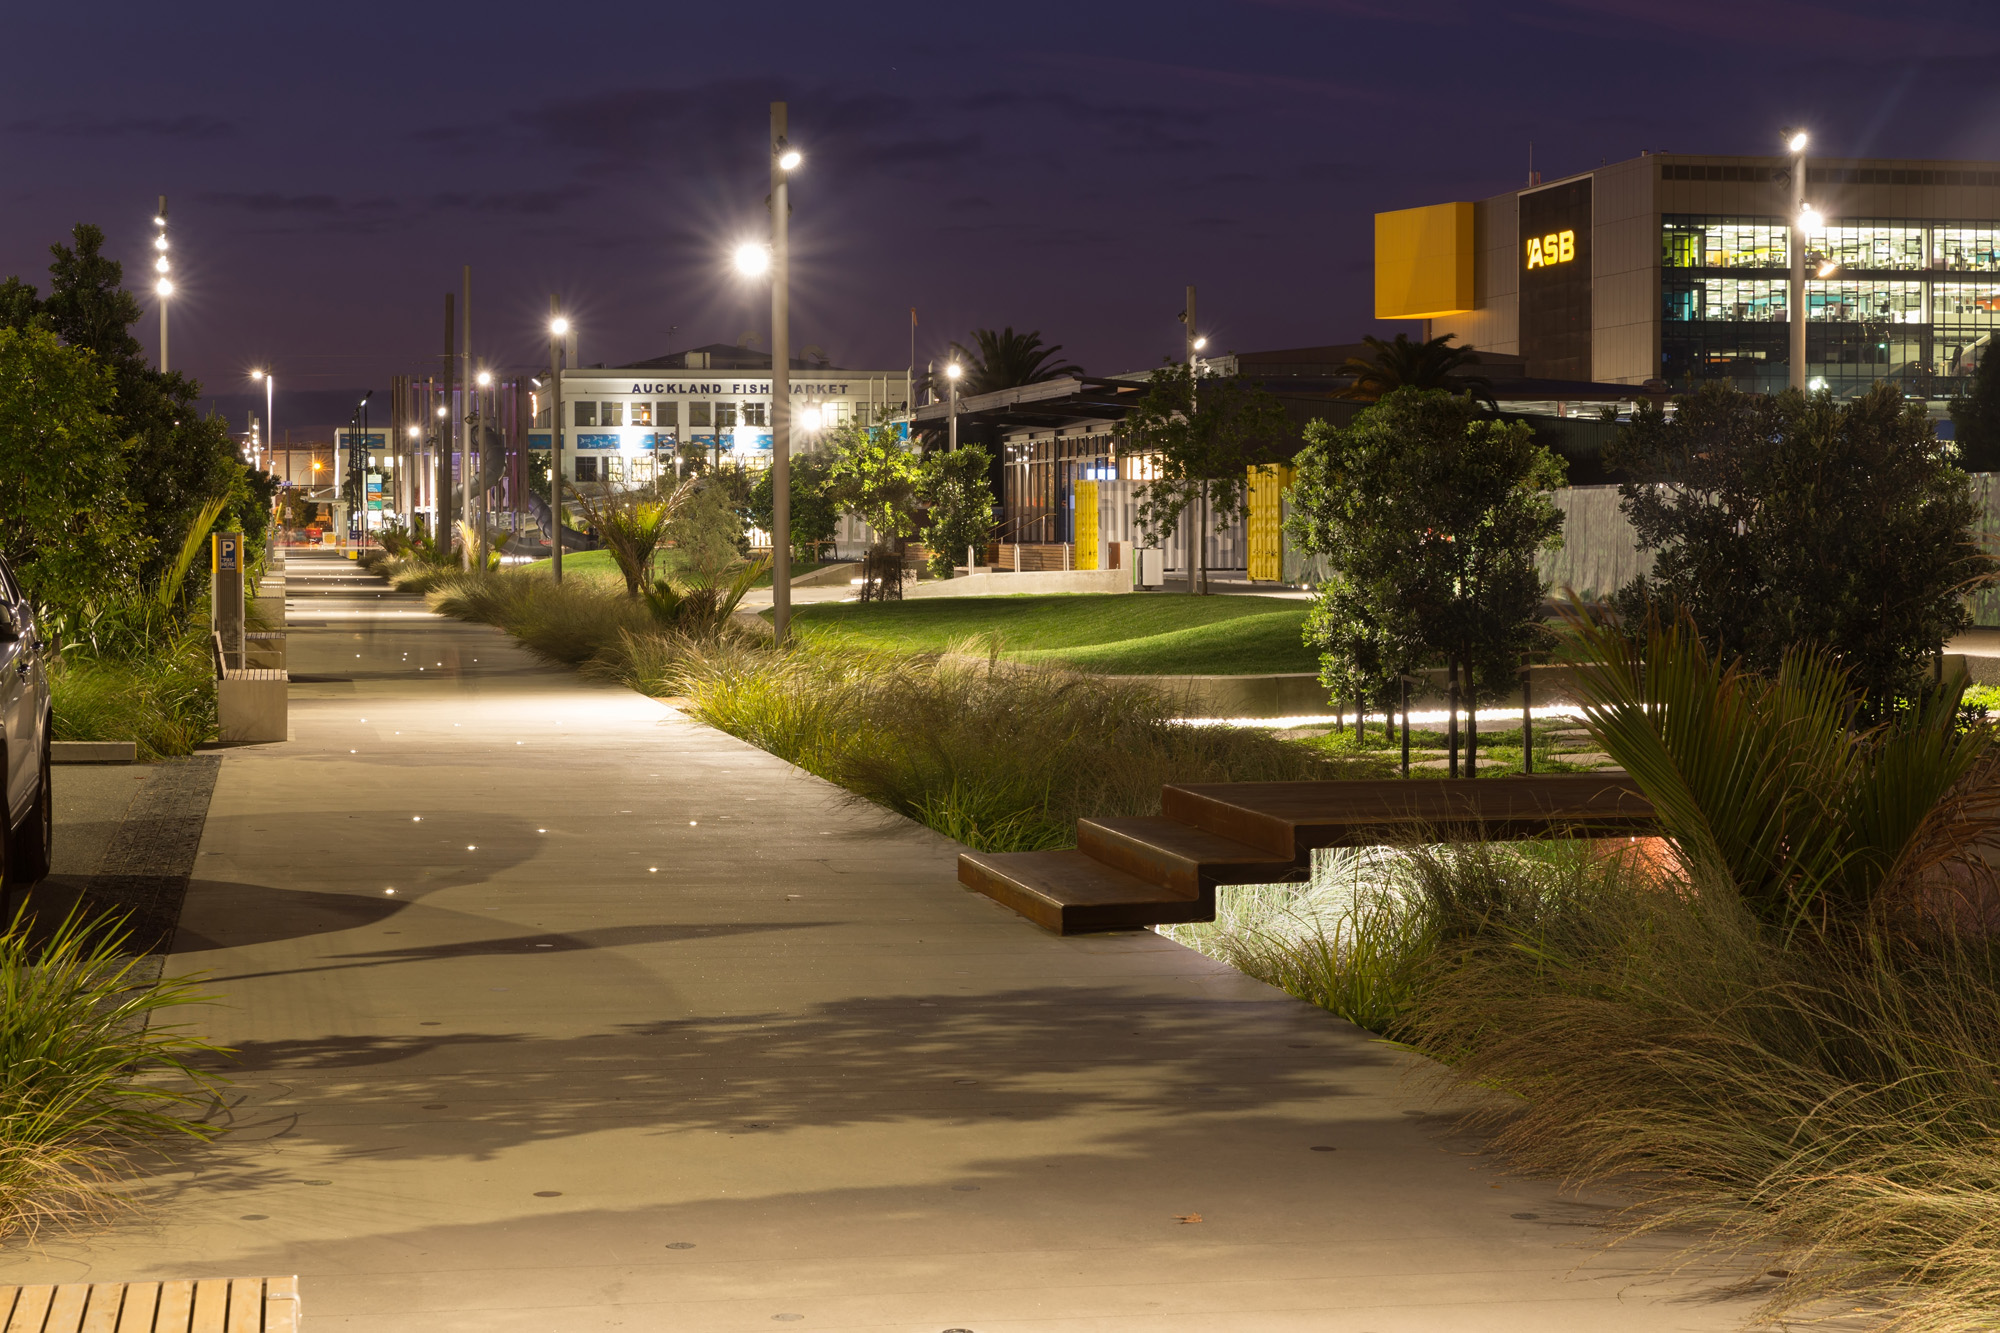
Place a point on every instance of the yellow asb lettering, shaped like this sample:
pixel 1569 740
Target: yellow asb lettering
pixel 1555 248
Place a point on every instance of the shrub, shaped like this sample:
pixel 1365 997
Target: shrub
pixel 87 1071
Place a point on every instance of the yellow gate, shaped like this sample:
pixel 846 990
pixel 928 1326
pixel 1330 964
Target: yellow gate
pixel 1268 484
pixel 1086 526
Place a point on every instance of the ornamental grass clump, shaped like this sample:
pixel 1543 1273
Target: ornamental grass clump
pixel 88 1073
pixel 1783 1033
pixel 998 756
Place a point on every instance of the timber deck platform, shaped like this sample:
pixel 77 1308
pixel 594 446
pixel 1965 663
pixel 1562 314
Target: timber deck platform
pixel 1134 872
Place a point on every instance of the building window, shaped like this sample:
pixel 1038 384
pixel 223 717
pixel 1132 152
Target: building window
pixel 1699 242
pixel 756 414
pixel 642 414
pixel 1966 248
pixel 586 414
pixel 611 414
pixel 1861 245
pixel 586 469
pixel 725 416
pixel 1854 301
pixel 1732 299
pixel 698 414
pixel 615 467
pixel 666 414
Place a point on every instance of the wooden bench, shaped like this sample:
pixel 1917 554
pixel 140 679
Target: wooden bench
pixel 1151 870
pixel 208 1305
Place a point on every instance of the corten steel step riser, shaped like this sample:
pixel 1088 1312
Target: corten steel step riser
pixel 1180 858
pixel 1135 872
pixel 1069 893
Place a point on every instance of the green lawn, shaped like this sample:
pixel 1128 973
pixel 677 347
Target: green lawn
pixel 600 562
pixel 1118 634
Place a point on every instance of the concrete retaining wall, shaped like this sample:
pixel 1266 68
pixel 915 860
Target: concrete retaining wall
pixel 1005 584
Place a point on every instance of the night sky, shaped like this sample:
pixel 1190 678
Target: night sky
pixel 1068 168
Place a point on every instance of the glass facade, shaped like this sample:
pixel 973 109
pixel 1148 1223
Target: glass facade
pixel 1896 302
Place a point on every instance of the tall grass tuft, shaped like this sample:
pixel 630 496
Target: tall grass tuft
pixel 87 1072
pixel 1825 1096
pixel 1001 757
pixel 163 699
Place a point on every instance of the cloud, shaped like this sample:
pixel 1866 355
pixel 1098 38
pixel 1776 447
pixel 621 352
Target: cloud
pixel 119 127
pixel 270 202
pixel 515 203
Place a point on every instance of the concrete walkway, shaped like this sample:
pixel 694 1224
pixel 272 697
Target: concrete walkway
pixel 557 1011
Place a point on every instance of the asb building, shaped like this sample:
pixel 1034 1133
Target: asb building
pixel 1670 269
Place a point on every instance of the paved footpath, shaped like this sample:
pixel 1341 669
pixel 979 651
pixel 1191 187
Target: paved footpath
pixel 557 1011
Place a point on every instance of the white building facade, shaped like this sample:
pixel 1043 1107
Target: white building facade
pixel 627 425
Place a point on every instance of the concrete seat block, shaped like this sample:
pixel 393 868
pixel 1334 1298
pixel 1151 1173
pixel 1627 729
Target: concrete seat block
pixel 251 705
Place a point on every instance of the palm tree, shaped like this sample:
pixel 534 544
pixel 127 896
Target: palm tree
pixel 1403 364
pixel 1007 360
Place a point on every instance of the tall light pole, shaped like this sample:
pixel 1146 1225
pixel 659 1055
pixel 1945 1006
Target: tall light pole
pixel 476 514
pixel 784 160
pixel 952 373
pixel 1796 142
pixel 165 287
pixel 270 381
pixel 754 260
pixel 558 330
pixel 357 471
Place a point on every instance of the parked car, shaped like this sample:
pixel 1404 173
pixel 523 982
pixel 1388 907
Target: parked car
pixel 25 746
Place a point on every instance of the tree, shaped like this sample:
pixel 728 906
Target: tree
pixel 1794 520
pixel 1975 418
pixel 70 533
pixel 1402 364
pixel 1007 360
pixel 954 488
pixel 633 525
pixel 706 529
pixel 1203 433
pixel 1430 514
pixel 873 476
pixel 813 514
pixel 180 459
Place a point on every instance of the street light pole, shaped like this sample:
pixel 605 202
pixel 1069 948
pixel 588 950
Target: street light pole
pixel 468 423
pixel 166 284
pixel 1797 370
pixel 558 326
pixel 952 370
pixel 783 159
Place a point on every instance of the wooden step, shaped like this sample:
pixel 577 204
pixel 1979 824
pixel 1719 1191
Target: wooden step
pixel 1300 816
pixel 1180 857
pixel 1070 893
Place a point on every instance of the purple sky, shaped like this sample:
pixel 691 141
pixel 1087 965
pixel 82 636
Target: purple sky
pixel 1063 167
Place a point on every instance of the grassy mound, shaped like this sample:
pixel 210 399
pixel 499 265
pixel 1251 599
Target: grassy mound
pixel 1138 634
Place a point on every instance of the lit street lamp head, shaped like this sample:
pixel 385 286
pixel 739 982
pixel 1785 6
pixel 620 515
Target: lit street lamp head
pixel 166 287
pixel 1797 142
pixel 953 370
pixel 257 375
pixel 789 159
pixel 485 378
pixel 559 327
pixel 752 259
pixel 1200 344
pixel 414 432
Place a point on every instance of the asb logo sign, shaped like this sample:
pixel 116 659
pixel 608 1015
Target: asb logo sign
pixel 1558 247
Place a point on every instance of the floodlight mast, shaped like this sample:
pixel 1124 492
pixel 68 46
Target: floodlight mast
pixel 1802 217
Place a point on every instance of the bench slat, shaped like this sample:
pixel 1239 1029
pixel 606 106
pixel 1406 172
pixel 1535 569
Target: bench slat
pixel 142 1301
pixel 175 1308
pixel 66 1310
pixel 102 1315
pixel 246 1305
pixel 211 1306
pixel 281 1305
pixel 31 1304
